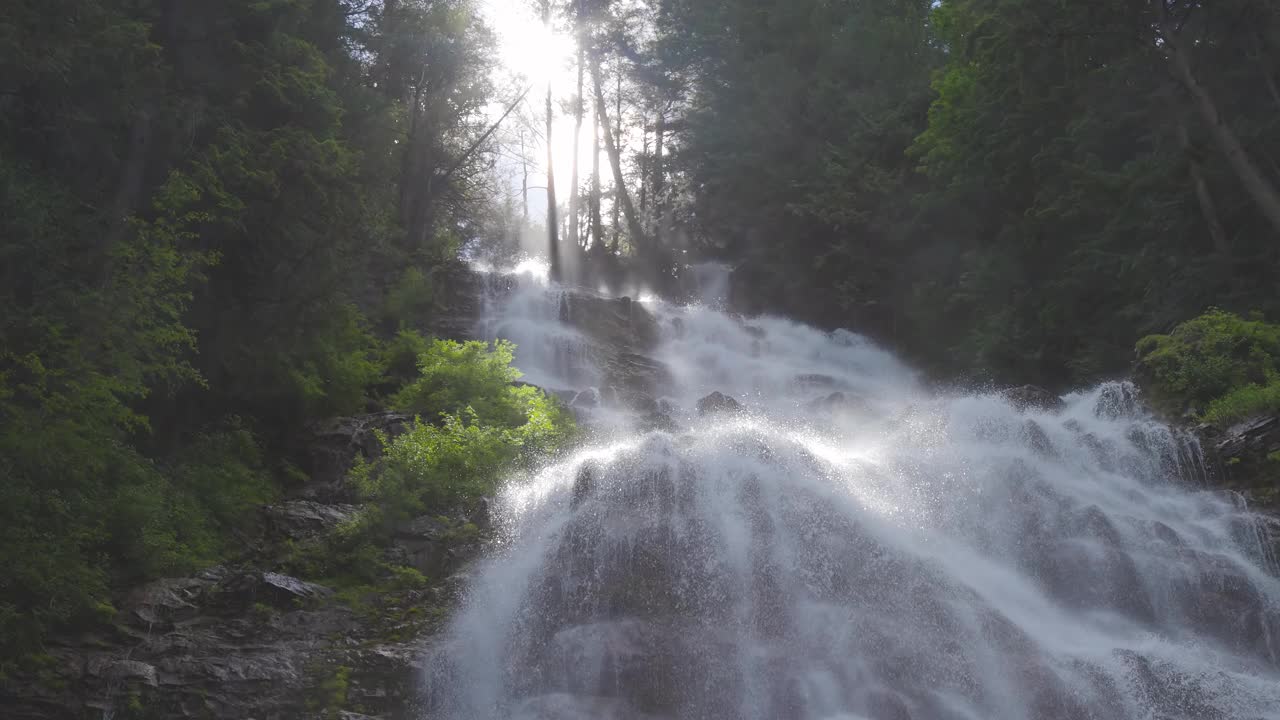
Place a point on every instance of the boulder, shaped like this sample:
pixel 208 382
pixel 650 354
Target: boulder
pixel 165 602
pixel 588 398
pixel 835 402
pixel 718 402
pixel 657 421
pixel 424 542
pixel 334 447
pixel 1245 453
pixel 639 402
pixel 629 372
pixel 114 670
pixel 240 592
pixel 307 519
pixel 1252 438
pixel 1037 439
pixel 816 381
pixel 1118 400
pixel 482 514
pixel 1031 397
pixel 285 589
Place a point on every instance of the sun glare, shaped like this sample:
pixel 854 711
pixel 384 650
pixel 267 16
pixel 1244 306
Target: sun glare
pixel 538 55
pixel 528 48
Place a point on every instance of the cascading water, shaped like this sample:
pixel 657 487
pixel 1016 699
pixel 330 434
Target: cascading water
pixel 852 545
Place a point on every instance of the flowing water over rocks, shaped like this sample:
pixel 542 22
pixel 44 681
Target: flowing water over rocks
pixel 830 538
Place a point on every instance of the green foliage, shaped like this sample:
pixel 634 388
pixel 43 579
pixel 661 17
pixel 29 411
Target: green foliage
pixel 406 578
pixel 1245 402
pixel 432 465
pixel 410 299
pixel 485 424
pixel 399 357
pixel 1224 365
pixel 460 459
pixel 348 558
pixel 453 376
pixel 331 693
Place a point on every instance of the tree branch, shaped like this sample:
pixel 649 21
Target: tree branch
pixel 488 133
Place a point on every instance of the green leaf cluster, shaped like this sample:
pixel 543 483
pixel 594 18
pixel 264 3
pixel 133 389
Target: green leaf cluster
pixel 484 425
pixel 1220 364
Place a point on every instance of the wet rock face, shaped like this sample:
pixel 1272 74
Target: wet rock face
pixel 718 403
pixel 336 444
pixel 836 402
pixel 630 373
pixel 1031 397
pixel 1255 436
pixel 425 545
pixel 461 291
pixel 218 645
pixel 1245 453
pixel 617 323
pixel 236 642
pixel 307 519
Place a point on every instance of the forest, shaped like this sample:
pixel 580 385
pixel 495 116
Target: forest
pixel 221 222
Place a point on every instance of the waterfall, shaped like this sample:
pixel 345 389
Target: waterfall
pixel 852 544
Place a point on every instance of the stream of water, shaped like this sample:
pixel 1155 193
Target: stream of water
pixel 853 544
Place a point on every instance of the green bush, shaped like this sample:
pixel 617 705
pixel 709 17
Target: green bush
pixel 454 376
pixel 328 368
pixel 1244 402
pixel 399 357
pixel 410 300
pixel 485 425
pixel 1219 364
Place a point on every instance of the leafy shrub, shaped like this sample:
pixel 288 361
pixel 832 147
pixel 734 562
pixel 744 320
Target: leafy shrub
pixel 1220 363
pixel 328 368
pixel 411 299
pixel 1244 402
pixel 454 376
pixel 485 425
pixel 399 356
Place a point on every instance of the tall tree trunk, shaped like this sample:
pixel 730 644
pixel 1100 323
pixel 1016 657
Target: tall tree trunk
pixel 132 174
pixel 1263 62
pixel 645 164
pixel 615 159
pixel 1264 193
pixel 659 143
pixel 597 224
pixel 553 225
pixel 617 118
pixel 393 84
pixel 577 136
pixel 658 182
pixel 409 163
pixel 1208 208
pixel 524 179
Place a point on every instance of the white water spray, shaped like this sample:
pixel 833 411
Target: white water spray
pixel 850 545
